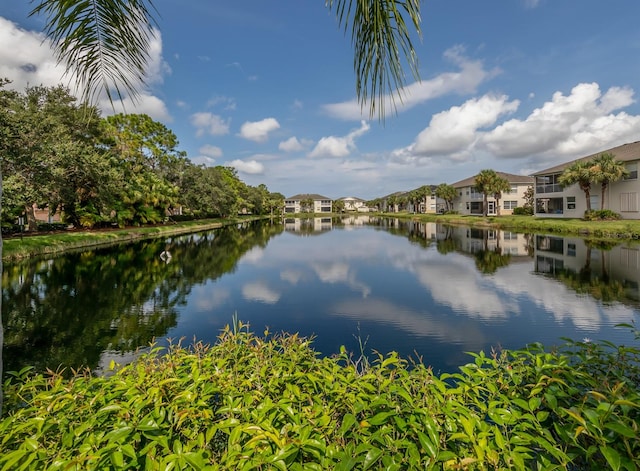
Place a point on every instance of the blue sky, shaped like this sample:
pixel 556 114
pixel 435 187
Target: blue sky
pixel 269 88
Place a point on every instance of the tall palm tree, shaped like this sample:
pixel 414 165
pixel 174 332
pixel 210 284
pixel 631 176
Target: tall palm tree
pixel 485 183
pixel 606 169
pixel 580 172
pixel 105 43
pixel 500 185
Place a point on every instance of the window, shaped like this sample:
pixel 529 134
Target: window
pixel 629 202
pixel 571 202
pixel 632 168
pixel 595 202
pixel 571 250
pixel 548 184
pixel 510 204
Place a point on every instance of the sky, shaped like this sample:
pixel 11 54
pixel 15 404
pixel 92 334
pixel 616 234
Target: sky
pixel 269 88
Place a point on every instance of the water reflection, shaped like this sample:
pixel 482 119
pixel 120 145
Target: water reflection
pixel 418 288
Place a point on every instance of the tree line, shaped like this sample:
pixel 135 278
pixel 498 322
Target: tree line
pixel 117 170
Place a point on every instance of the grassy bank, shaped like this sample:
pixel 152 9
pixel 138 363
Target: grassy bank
pixel 621 229
pixel 252 403
pixel 17 248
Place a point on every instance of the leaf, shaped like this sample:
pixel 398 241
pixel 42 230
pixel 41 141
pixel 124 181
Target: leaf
pixel 371 457
pixel 621 429
pixel 612 456
pixel 380 418
pixel 427 444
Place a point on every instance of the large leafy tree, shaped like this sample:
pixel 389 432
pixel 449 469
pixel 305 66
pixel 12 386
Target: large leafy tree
pixel 580 172
pixel 606 170
pixel 105 43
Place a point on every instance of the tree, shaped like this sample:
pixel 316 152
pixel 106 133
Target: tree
pixel 485 184
pixel 528 198
pixel 105 43
pixel 580 172
pixel 500 185
pixel 306 205
pixel 338 206
pixel 447 193
pixel 605 170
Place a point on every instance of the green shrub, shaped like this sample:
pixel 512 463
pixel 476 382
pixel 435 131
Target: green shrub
pixel 523 211
pixel 601 215
pixel 271 402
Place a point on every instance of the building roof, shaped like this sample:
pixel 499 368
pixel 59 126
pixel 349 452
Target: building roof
pixel 306 196
pixel 352 198
pixel 623 153
pixel 511 178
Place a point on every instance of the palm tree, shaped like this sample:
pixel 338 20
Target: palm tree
pixel 606 169
pixel 105 43
pixel 447 193
pixel 500 185
pixel 580 172
pixel 485 184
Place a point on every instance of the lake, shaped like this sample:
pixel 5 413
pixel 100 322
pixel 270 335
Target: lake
pixel 425 290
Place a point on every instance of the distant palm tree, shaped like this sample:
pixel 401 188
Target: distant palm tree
pixel 580 172
pixel 447 193
pixel 605 170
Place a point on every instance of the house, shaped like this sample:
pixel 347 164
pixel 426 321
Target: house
pixel 307 203
pixel 469 199
pixel 351 203
pixel 551 200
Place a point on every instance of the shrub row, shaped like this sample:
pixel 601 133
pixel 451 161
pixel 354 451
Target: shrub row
pixel 271 402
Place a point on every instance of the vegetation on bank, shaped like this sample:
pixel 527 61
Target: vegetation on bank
pixel 30 245
pixel 271 402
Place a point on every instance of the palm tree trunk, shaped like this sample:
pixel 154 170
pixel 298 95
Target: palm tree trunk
pixel 1 328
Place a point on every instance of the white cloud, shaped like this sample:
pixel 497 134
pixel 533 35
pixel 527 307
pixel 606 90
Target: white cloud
pixel 333 146
pixel 209 123
pixel 471 74
pixel 456 130
pixel 573 125
pixel 290 145
pixel 210 151
pixel 258 131
pixel 252 167
pixel 27 59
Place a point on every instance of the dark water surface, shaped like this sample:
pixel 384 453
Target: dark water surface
pixel 424 290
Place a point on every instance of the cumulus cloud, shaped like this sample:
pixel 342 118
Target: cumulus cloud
pixel 571 125
pixel 466 80
pixel 209 123
pixel 252 167
pixel 258 131
pixel 333 146
pixel 27 59
pixel 290 145
pixel 210 151
pixel 456 129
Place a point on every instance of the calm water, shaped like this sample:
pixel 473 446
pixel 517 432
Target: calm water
pixel 424 290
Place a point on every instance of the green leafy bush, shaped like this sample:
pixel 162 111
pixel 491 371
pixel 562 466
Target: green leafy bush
pixel 523 211
pixel 271 402
pixel 601 215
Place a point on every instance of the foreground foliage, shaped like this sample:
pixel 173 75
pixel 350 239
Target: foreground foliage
pixel 271 402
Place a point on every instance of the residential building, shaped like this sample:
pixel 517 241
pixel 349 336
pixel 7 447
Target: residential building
pixel 351 203
pixel 470 200
pixel 316 204
pixel 551 200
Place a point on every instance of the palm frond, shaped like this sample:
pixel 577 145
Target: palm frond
pixel 104 44
pixel 382 41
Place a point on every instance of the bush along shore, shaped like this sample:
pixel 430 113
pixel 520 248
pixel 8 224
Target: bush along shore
pixel 253 402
